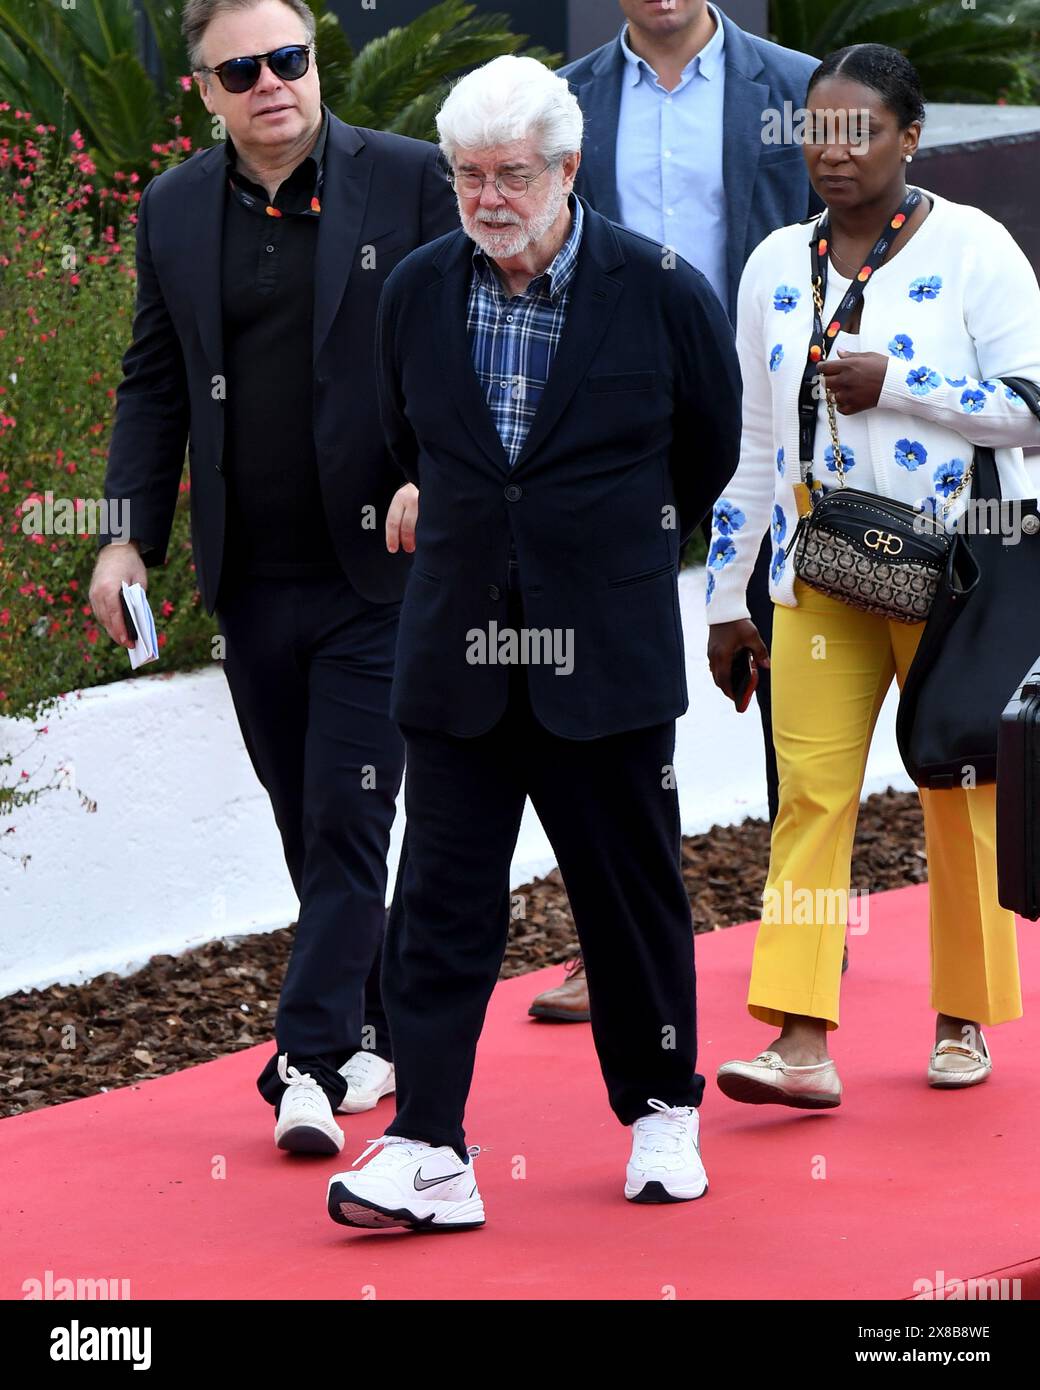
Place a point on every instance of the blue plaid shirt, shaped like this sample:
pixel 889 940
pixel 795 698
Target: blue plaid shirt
pixel 514 341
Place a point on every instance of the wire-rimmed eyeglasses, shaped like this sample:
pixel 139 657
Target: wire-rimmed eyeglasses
pixel 510 185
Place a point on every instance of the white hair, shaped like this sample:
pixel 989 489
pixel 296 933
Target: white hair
pixel 509 99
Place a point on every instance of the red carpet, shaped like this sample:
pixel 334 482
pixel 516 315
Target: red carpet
pixel 918 1184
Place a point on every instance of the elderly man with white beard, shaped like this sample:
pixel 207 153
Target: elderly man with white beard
pixel 565 396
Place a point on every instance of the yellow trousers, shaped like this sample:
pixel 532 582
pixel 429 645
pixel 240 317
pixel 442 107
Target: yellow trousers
pixel 831 668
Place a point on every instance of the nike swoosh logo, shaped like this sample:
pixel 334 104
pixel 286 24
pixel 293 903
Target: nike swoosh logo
pixel 422 1183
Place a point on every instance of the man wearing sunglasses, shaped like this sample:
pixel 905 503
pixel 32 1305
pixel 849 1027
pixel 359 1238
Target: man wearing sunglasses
pixel 260 264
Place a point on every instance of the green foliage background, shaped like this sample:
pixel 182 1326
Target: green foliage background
pixel 986 51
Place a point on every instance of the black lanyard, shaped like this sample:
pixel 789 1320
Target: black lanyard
pixel 256 205
pixel 822 339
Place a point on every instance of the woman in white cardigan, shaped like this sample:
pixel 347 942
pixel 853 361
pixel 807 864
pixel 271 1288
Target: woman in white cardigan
pixel 915 376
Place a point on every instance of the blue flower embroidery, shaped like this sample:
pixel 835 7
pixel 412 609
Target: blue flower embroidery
pixel 780 461
pixel 847 454
pixel 910 454
pixel 722 551
pixel 902 346
pixel 958 381
pixel 779 525
pixel 930 506
pixel 988 385
pixel 972 402
pixel 927 287
pixel 776 357
pixel 922 380
pixel 1013 396
pixel 727 518
pixel 779 560
pixel 710 589
pixel 948 476
pixel 785 297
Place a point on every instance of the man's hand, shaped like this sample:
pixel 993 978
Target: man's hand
pixel 724 641
pixel 401 520
pixel 855 380
pixel 116 562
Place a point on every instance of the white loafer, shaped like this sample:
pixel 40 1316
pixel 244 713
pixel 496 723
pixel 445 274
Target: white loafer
pixel 768 1080
pixel 954 1063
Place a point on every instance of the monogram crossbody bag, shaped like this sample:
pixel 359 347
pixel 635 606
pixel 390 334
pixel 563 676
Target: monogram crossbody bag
pixel 871 552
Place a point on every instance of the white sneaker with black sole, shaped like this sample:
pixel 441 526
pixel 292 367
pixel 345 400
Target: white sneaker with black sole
pixel 368 1080
pixel 408 1183
pixel 666 1161
pixel 305 1124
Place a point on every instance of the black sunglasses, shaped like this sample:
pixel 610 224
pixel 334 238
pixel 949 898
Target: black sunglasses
pixel 241 74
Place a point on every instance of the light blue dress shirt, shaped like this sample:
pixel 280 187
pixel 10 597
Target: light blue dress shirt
pixel 669 157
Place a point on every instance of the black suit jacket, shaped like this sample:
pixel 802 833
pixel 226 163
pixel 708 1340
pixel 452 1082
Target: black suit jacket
pixel 383 196
pixel 641 414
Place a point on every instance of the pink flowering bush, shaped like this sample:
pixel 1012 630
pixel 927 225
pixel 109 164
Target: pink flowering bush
pixel 67 285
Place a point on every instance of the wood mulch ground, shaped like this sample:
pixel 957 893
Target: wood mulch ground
pixel 70 1041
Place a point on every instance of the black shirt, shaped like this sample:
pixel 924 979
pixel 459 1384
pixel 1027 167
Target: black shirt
pixel 276 522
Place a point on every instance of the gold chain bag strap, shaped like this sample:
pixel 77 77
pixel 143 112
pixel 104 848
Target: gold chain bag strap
pixel 871 552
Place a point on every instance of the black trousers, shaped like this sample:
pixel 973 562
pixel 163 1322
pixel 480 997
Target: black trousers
pixel 610 810
pixel 309 664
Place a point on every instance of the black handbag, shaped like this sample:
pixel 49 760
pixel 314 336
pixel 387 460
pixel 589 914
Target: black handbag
pixel 982 633
pixel 1018 800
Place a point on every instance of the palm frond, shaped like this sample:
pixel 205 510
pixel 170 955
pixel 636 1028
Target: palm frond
pixel 125 107
pixel 983 52
pixel 164 19
pixel 48 50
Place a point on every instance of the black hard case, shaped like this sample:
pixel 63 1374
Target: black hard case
pixel 1018 800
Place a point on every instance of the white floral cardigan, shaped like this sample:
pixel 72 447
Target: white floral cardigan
pixel 954 310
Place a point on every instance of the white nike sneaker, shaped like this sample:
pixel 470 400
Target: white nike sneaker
pixel 305 1124
pixel 368 1080
pixel 409 1183
pixel 666 1161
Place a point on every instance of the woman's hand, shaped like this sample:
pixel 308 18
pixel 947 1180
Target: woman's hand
pixel 724 641
pixel 855 379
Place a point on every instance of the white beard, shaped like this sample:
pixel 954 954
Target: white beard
pixel 503 245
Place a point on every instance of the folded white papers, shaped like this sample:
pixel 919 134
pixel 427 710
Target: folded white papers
pixel 147 648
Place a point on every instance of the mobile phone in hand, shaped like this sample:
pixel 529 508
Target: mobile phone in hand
pixel 128 618
pixel 743 679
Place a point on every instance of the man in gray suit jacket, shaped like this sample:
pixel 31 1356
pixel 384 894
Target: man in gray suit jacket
pixel 680 114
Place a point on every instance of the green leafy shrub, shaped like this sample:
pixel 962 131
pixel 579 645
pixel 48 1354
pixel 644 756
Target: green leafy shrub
pixel 67 286
pixel 81 64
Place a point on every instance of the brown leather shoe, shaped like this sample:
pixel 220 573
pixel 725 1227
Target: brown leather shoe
pixel 567 1003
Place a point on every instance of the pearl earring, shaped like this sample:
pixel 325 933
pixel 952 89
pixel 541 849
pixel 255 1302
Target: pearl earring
pixel 909 158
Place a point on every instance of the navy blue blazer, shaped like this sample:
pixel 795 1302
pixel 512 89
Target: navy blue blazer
pixel 766 186
pixel 637 433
